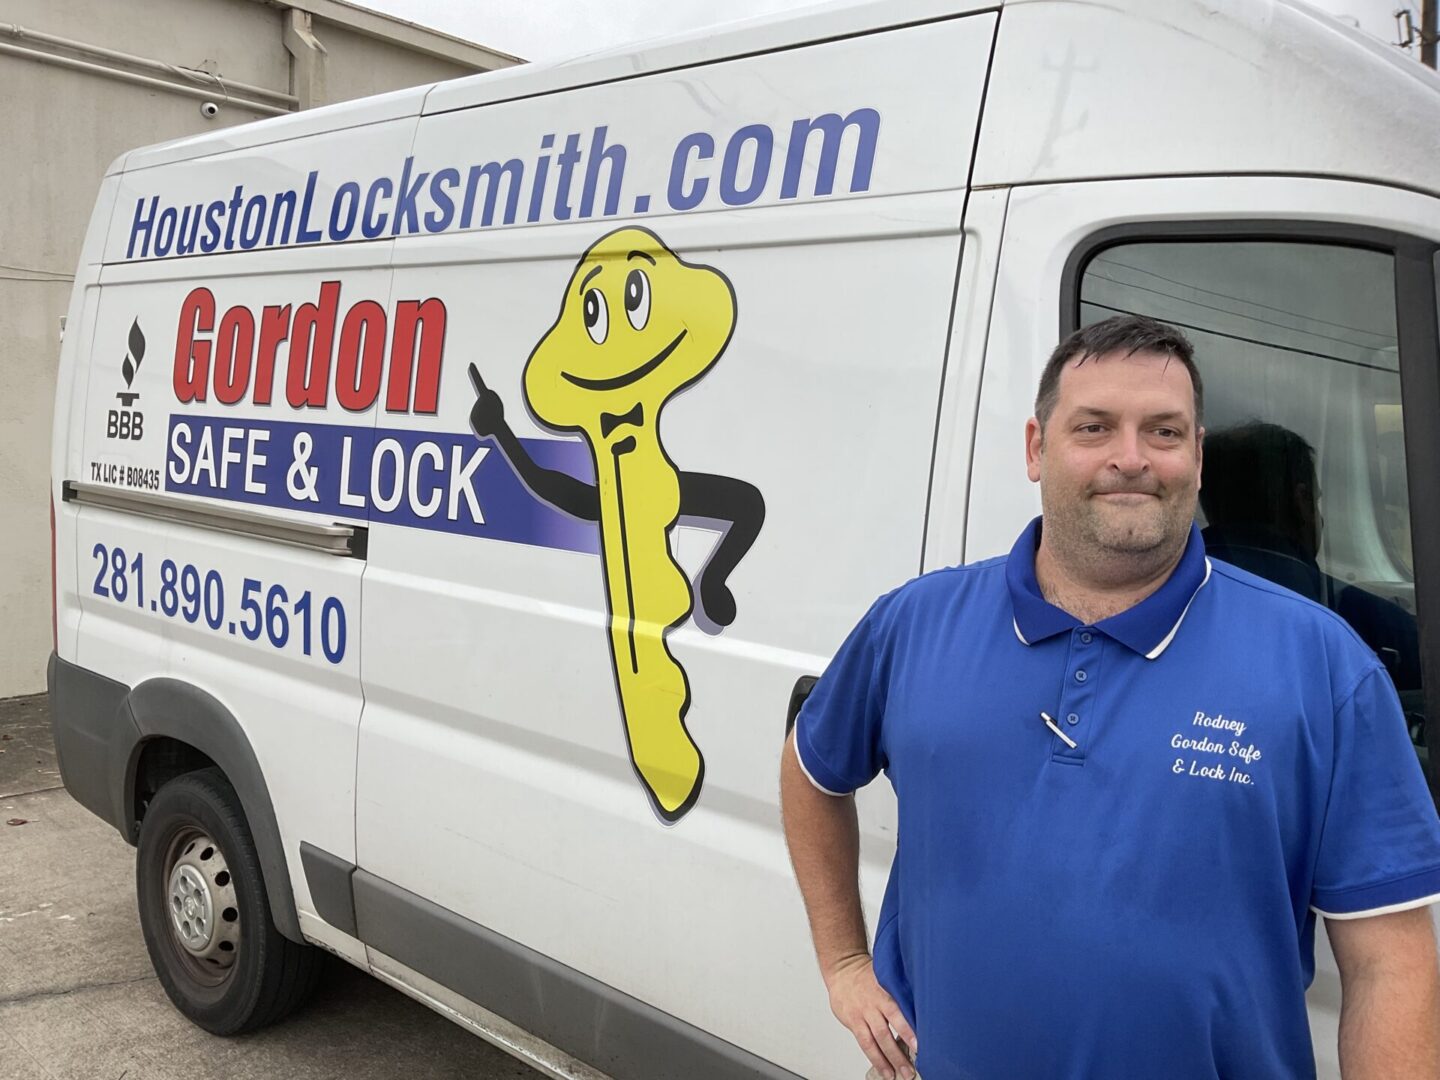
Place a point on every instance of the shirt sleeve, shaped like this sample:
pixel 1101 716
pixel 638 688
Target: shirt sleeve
pixel 837 734
pixel 1380 844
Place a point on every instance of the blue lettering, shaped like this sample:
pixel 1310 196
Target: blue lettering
pixel 283 200
pixel 372 226
pixel 704 148
pixel 165 231
pixel 142 224
pixel 542 167
pixel 438 220
pixel 406 207
pixel 764 141
pixel 189 227
pixel 567 160
pixel 254 215
pixel 233 217
pixel 347 198
pixel 513 171
pixel 211 240
pixel 600 154
pixel 305 234
pixel 832 131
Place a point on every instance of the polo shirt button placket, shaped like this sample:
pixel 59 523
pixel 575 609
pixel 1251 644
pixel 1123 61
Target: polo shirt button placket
pixel 1077 693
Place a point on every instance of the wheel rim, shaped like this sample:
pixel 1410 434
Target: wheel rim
pixel 204 914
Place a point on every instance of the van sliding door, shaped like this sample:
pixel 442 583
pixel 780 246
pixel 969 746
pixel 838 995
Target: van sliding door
pixel 707 381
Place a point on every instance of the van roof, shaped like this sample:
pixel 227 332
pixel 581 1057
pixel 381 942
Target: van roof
pixel 1078 90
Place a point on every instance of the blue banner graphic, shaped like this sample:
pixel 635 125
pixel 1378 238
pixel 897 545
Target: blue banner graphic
pixel 447 481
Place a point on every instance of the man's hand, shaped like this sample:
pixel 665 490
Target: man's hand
pixel 862 1005
pixel 824 838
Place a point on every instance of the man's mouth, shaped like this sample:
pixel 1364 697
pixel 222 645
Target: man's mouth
pixel 634 375
pixel 1128 496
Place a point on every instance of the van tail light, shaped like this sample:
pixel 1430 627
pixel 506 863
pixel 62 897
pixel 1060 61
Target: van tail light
pixel 54 595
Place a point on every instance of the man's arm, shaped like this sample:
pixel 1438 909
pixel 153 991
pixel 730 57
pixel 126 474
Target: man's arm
pixel 1389 996
pixel 823 834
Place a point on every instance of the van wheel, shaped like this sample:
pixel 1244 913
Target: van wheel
pixel 205 915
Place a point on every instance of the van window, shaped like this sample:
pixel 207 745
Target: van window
pixel 1304 479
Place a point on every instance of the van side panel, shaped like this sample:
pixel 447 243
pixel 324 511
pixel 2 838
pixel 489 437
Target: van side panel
pixel 237 381
pixel 71 383
pixel 506 766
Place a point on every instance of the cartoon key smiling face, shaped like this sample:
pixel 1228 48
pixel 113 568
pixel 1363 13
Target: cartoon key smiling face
pixel 637 325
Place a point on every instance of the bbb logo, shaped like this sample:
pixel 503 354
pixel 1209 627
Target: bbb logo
pixel 128 422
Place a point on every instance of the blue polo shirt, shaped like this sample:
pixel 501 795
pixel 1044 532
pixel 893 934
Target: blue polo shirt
pixel 1142 904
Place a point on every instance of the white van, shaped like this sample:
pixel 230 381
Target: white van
pixel 407 608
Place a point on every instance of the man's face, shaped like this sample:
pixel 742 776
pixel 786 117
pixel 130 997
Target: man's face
pixel 1118 462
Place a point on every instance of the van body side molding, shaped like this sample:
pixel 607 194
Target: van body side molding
pixel 336 539
pixel 592 1022
pixel 328 878
pixel 93 731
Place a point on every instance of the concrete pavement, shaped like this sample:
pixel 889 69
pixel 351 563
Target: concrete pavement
pixel 79 1000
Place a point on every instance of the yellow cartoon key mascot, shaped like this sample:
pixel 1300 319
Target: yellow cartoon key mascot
pixel 637 326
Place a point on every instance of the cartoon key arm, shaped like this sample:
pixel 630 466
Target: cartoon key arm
pixel 559 489
pixel 637 326
pixel 735 507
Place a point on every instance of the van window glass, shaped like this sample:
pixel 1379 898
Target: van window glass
pixel 1304 479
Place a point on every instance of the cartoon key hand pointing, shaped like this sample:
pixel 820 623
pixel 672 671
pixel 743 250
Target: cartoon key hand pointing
pixel 637 325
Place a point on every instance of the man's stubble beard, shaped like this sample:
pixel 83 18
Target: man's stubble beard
pixel 1084 535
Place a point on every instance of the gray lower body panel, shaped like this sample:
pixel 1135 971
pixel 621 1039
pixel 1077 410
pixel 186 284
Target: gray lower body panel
pixel 331 890
pixel 101 729
pixel 611 1031
pixel 92 729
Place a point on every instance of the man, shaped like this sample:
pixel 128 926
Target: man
pixel 1127 777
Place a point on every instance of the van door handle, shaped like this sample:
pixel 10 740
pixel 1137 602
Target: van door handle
pixel 803 686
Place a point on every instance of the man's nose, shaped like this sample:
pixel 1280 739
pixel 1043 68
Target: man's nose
pixel 1129 456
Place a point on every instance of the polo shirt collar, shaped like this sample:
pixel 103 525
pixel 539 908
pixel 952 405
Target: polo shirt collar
pixel 1147 628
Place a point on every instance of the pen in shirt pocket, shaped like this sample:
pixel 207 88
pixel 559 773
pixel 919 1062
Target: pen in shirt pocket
pixel 1050 723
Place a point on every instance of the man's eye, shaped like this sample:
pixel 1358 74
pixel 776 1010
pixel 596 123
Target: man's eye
pixel 1091 429
pixel 1167 433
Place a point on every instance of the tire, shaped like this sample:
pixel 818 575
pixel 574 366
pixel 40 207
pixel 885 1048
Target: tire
pixel 205 914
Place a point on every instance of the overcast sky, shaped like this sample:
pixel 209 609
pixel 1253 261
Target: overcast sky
pixel 552 29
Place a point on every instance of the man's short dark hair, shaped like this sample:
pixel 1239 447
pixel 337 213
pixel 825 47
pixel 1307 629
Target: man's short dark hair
pixel 1128 334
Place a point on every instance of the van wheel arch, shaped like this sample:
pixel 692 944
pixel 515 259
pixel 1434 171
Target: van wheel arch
pixel 182 729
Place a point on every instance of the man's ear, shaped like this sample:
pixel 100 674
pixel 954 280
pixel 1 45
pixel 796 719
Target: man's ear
pixel 1034 443
pixel 1199 457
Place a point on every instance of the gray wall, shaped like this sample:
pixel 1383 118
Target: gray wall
pixel 59 129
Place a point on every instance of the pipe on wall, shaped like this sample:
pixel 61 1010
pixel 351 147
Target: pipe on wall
pixel 223 89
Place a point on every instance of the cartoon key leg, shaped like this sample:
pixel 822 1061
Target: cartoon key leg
pixel 637 325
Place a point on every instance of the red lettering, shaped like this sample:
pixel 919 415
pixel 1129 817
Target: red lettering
pixel 192 358
pixel 234 349
pixel 274 329
pixel 312 337
pixel 361 359
pixel 427 322
pixel 319 343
